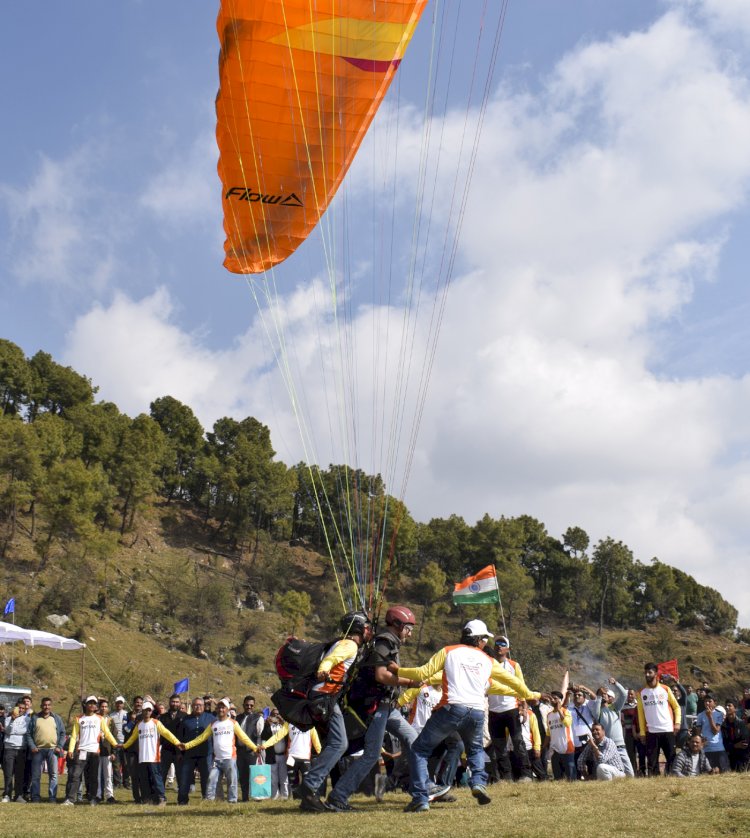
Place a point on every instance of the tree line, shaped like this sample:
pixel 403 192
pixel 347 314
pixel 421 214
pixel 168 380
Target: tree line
pixel 75 473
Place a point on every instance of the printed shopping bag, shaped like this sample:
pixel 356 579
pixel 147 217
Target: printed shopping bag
pixel 260 779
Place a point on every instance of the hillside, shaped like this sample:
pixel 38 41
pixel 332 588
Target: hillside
pixel 141 638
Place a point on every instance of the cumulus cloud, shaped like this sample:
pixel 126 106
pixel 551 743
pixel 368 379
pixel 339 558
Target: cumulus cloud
pixel 61 235
pixel 600 202
pixel 185 190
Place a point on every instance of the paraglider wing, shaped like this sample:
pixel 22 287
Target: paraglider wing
pixel 299 85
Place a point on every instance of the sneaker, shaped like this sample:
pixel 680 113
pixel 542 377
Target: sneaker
pixel 19 800
pixel 446 798
pixel 162 803
pixel 436 792
pixel 417 806
pixel 93 802
pixel 111 800
pixel 339 806
pixel 68 803
pixel 6 799
pixel 525 779
pixel 311 802
pixel 480 792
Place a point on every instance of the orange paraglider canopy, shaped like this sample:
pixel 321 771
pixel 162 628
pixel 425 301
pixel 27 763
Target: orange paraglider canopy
pixel 299 86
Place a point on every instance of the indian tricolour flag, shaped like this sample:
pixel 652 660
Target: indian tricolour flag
pixel 479 589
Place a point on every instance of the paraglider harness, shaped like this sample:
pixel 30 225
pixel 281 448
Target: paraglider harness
pixel 364 695
pixel 297 663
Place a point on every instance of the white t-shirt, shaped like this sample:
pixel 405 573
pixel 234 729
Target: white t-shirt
pixel 149 746
pixel 424 704
pixel 466 675
pixel 501 703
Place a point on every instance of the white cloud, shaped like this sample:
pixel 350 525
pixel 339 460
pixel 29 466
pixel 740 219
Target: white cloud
pixel 186 190
pixel 594 214
pixel 61 235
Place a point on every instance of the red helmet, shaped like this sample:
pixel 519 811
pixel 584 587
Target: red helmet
pixel 399 615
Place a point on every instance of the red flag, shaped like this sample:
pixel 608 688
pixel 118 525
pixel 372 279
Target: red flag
pixel 669 668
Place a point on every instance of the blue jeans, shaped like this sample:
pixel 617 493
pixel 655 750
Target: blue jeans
pixel 469 723
pixel 335 748
pixel 384 719
pixel 152 787
pixel 48 757
pixel 227 768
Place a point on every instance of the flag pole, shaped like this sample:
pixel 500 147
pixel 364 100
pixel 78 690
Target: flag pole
pixel 12 646
pixel 500 602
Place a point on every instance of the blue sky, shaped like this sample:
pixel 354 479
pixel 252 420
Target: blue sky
pixel 592 363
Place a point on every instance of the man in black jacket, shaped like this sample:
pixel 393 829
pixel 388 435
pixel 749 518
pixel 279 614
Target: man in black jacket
pixel 736 738
pixel 196 759
pixel 169 753
pixel 252 723
pixel 379 689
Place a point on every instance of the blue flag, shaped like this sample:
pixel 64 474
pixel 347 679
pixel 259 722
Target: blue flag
pixel 10 606
pixel 182 686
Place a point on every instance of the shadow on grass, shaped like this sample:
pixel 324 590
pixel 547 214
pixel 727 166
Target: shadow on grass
pixel 238 810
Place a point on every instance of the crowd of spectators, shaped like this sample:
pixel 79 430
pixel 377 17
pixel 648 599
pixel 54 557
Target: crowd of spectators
pixel 140 748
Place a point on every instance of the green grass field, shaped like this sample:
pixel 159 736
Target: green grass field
pixel 707 806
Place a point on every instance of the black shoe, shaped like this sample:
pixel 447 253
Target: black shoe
pixel 338 806
pixel 311 802
pixel 446 798
pixel 111 800
pixel 417 806
pixel 480 792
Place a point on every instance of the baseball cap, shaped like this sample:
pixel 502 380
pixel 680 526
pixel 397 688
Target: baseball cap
pixel 502 640
pixel 226 702
pixel 119 698
pixel 477 628
pixel 90 699
pixel 610 693
pixel 147 705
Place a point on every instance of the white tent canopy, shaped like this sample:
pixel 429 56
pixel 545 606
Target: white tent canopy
pixel 9 633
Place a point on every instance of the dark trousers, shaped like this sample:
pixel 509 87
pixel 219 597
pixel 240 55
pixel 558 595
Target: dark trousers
pixel 499 724
pixel 297 773
pixel 170 758
pixel 131 757
pixel 120 776
pixel 563 766
pixel 152 787
pixel 186 775
pixel 537 766
pixel 14 766
pixel 88 770
pixel 245 758
pixel 656 742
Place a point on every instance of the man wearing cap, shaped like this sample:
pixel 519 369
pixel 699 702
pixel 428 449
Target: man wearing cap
pixel 119 769
pixel 375 695
pixel 147 734
pixel 224 732
pixel 606 710
pixel 467 671
pixel 503 719
pixel 83 749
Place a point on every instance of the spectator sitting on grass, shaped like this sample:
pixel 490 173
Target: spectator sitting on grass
pixel 602 753
pixel 691 761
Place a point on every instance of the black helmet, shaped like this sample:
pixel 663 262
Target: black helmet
pixel 355 622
